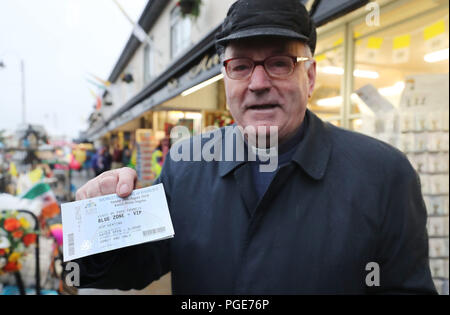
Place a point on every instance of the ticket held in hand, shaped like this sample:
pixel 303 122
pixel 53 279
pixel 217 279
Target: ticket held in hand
pixel 105 223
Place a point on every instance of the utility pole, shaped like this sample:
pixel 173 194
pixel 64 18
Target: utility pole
pixel 22 71
pixel 22 83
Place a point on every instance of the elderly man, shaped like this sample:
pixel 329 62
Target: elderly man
pixel 341 213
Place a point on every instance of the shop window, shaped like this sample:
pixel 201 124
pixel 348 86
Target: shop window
pixel 326 100
pixel 386 58
pixel 180 32
pixel 149 63
pixel 406 103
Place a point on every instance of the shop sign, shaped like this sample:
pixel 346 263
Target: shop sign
pixel 207 63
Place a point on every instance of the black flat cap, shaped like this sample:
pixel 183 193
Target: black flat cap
pixel 274 18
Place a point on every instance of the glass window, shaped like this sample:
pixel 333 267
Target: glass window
pixel 180 32
pixel 326 100
pixel 149 63
pixel 409 41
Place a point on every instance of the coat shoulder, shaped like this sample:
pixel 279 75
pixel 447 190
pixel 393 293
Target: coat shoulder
pixel 362 150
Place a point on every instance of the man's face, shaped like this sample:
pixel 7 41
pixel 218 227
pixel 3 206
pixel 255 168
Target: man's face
pixel 287 97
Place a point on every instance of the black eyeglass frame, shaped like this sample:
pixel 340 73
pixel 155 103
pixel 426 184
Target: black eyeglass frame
pixel 295 60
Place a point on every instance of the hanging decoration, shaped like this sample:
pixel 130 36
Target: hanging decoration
pixel 190 8
pixel 435 37
pixel 401 48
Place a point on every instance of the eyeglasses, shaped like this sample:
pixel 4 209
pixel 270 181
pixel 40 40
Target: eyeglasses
pixel 275 66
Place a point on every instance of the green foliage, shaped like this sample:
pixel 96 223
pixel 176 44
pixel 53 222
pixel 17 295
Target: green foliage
pixel 190 8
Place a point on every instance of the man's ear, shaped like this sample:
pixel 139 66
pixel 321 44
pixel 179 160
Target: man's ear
pixel 311 77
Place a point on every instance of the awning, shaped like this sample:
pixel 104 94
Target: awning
pixel 328 10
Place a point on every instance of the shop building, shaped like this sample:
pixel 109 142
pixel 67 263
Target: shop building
pixel 382 70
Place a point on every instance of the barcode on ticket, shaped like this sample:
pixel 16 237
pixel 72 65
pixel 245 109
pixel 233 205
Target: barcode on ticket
pixel 154 231
pixel 71 244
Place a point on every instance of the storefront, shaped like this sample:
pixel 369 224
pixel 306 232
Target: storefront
pixel 382 51
pixel 383 71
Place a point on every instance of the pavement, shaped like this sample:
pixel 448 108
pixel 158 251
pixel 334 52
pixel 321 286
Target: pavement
pixel 79 178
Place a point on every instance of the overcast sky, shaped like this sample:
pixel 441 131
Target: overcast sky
pixel 60 41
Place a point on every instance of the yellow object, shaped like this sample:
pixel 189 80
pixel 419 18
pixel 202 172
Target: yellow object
pixel 355 36
pixel 403 41
pixel 156 167
pixel 80 155
pixel 434 30
pixel 36 175
pixel 13 170
pixel 134 157
pixel 24 223
pixel 14 257
pixel 338 42
pixel 375 42
pixel 320 58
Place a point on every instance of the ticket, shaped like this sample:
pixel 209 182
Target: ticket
pixel 105 223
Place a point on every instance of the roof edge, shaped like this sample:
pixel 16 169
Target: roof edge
pixel 149 16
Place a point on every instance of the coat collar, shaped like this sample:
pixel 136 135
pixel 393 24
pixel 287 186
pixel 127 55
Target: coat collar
pixel 226 166
pixel 314 150
pixel 312 154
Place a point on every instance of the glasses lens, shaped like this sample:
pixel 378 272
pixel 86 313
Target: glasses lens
pixel 279 65
pixel 239 68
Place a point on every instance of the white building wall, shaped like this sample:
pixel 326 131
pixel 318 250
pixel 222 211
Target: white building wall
pixel 212 14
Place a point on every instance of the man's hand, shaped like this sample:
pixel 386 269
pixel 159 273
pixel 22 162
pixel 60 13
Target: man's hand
pixel 120 181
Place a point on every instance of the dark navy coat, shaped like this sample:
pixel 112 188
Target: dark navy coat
pixel 345 200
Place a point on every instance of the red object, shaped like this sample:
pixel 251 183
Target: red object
pixel 11 224
pixel 29 239
pixel 2 252
pixel 99 103
pixel 61 167
pixel 74 164
pixel 11 267
pixel 50 210
pixel 17 234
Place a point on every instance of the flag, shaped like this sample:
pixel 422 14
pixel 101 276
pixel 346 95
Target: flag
pixel 105 83
pixel 100 86
pixel 98 105
pixel 138 31
pixel 94 95
pixel 43 192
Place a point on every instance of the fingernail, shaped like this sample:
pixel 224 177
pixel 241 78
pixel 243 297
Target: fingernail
pixel 124 189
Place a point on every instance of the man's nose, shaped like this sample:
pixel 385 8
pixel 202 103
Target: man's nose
pixel 259 81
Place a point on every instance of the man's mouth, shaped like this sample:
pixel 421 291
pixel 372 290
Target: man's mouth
pixel 262 106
